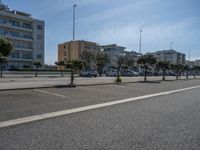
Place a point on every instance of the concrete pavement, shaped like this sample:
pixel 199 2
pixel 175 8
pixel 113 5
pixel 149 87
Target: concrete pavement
pixel 165 122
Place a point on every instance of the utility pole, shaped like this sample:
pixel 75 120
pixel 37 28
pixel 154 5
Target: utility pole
pixel 74 6
pixel 140 42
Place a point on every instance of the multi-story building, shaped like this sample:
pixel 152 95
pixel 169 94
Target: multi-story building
pixel 113 51
pixel 171 56
pixel 72 50
pixel 26 34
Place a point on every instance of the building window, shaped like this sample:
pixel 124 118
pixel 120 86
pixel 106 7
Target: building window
pixel 15 55
pixel 27 56
pixel 39 56
pixel 39 27
pixel 2 32
pixel 2 21
pixel 14 34
pixel 14 23
pixel 26 25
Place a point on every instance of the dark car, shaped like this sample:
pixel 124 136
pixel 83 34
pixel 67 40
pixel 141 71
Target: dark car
pixel 129 73
pixel 88 73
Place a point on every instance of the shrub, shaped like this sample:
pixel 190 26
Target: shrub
pixel 118 80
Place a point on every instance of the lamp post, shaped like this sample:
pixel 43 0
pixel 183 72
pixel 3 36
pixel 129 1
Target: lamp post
pixel 172 43
pixel 74 6
pixel 140 43
pixel 189 54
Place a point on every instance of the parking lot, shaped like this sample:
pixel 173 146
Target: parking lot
pixel 21 103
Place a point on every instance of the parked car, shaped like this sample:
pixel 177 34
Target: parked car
pixel 88 73
pixel 172 74
pixel 129 73
pixel 112 73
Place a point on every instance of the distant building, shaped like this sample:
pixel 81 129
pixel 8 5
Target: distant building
pixel 197 62
pixel 113 51
pixel 133 55
pixel 26 34
pixel 72 50
pixel 171 56
pixel 190 64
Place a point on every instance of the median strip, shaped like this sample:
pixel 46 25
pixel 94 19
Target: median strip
pixel 85 108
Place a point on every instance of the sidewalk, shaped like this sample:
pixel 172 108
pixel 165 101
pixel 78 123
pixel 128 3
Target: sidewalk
pixel 46 82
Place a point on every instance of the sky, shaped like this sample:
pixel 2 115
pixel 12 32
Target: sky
pixel 118 22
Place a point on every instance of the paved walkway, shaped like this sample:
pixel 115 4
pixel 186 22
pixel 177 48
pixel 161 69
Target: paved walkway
pixel 43 82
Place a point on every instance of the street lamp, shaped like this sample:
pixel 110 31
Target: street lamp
pixel 172 43
pixel 74 6
pixel 140 43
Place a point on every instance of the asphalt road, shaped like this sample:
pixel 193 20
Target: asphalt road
pixel 163 122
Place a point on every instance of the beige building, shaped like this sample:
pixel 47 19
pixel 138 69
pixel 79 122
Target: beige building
pixel 26 34
pixel 72 50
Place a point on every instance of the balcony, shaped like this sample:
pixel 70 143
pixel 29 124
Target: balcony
pixel 9 36
pixel 8 25
pixel 20 59
pixel 23 49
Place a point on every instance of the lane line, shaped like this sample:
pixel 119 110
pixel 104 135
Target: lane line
pixel 45 92
pixel 85 108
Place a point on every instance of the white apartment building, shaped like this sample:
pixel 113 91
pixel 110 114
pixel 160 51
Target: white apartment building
pixel 171 56
pixel 26 34
pixel 113 52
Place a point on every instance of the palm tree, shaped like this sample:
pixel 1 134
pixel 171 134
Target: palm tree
pixel 38 65
pixel 177 68
pixel 74 66
pixel 88 57
pixel 186 68
pixel 120 62
pixel 61 65
pixel 5 49
pixel 101 59
pixel 163 65
pixel 195 69
pixel 129 61
pixel 146 61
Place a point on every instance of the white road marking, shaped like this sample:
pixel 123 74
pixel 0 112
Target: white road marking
pixel 85 108
pixel 45 92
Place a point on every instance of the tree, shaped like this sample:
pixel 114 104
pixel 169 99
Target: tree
pixel 146 61
pixel 61 65
pixel 186 68
pixel 177 68
pixel 38 65
pixel 163 65
pixel 74 66
pixel 5 49
pixel 195 69
pixel 120 62
pixel 101 59
pixel 88 57
pixel 129 61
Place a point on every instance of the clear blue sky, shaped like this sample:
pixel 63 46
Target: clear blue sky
pixel 119 21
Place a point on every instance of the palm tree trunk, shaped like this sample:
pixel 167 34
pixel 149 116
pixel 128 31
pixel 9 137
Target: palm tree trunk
pixel 145 74
pixel 72 77
pixel 163 75
pixel 187 74
pixel 61 72
pixel 36 73
pixel 1 72
pixel 177 74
